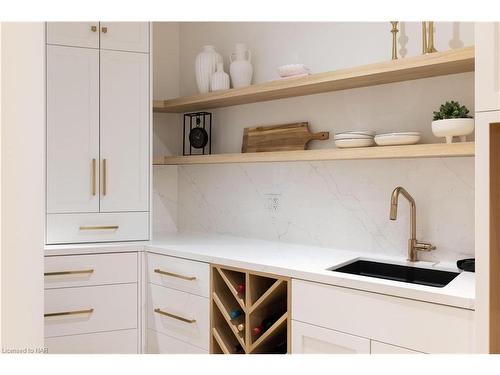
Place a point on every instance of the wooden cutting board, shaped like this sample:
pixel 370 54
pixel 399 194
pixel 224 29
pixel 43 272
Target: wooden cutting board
pixel 287 137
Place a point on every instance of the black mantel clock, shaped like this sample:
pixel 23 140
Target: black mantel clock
pixel 197 137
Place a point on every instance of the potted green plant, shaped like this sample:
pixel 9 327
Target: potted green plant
pixel 452 120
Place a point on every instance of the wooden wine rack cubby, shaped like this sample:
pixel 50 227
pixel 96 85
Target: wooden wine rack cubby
pixel 265 296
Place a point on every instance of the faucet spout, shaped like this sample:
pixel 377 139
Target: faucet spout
pixel 413 244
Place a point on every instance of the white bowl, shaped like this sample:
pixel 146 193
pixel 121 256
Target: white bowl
pixel 349 143
pixel 393 139
pixel 352 136
pixel 453 127
pixel 359 132
pixel 292 70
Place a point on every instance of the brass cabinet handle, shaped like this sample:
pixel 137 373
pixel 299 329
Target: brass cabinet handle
pixel 100 227
pixel 93 28
pixel 104 177
pixel 104 29
pixel 76 272
pixel 93 176
pixel 161 312
pixel 190 278
pixel 64 313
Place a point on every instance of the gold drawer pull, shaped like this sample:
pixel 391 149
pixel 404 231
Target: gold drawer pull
pixel 161 312
pixel 64 313
pixel 104 177
pixel 104 29
pixel 100 227
pixel 93 176
pixel 93 28
pixel 76 272
pixel 190 278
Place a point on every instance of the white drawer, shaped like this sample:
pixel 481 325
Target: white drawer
pixel 87 270
pixel 114 307
pixel 182 305
pixel 181 274
pixel 158 343
pixel 97 227
pixel 115 342
pixel 421 326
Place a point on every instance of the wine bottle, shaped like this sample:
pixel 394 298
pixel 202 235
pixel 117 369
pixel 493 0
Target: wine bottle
pixel 264 325
pixel 234 314
pixel 240 327
pixel 240 288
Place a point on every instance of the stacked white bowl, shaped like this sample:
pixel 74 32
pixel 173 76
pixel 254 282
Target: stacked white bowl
pixel 356 138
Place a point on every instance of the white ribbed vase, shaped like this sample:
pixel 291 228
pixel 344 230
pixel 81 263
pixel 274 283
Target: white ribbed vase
pixel 205 65
pixel 241 69
pixel 220 79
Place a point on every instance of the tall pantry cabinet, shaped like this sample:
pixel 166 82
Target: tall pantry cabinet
pixel 98 124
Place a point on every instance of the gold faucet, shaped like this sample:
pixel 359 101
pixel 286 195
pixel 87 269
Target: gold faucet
pixel 413 244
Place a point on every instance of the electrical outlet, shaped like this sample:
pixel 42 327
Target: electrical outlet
pixel 272 203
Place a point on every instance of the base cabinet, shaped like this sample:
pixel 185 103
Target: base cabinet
pixel 159 343
pixel 310 339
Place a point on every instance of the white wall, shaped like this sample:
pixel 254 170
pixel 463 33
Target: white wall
pixel 23 184
pixel 333 204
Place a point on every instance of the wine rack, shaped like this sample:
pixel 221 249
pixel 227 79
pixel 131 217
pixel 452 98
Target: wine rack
pixel 249 312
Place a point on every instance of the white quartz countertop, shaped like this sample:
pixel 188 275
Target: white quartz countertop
pixel 310 263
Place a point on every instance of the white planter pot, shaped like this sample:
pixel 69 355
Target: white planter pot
pixel 241 69
pixel 220 79
pixel 453 127
pixel 205 65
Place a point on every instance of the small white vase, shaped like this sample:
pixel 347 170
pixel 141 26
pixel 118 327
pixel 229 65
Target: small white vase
pixel 205 65
pixel 453 127
pixel 241 69
pixel 220 79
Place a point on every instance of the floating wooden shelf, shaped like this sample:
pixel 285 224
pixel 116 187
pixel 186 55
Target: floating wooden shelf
pixel 434 150
pixel 265 296
pixel 405 69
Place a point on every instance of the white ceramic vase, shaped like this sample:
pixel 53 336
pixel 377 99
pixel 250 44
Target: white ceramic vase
pixel 241 69
pixel 205 65
pixel 220 79
pixel 453 127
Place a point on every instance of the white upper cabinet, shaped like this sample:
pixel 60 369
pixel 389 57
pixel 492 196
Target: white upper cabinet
pixel 72 129
pixel 76 34
pixel 125 108
pixel 125 36
pixel 487 66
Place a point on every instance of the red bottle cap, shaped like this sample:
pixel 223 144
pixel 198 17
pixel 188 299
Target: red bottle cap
pixel 256 331
pixel 240 288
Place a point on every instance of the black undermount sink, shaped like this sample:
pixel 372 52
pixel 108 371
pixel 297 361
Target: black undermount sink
pixel 397 272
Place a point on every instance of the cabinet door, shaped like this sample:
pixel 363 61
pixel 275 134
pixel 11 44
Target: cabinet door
pixel 77 34
pixel 125 108
pixel 72 129
pixel 125 36
pixel 310 339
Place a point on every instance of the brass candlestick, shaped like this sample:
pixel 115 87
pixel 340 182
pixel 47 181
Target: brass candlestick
pixel 394 31
pixel 430 47
pixel 424 38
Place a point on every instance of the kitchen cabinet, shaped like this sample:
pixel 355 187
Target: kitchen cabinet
pixel 310 339
pixel 177 305
pixel 125 36
pixel 92 303
pixel 72 129
pixel 420 326
pixel 124 136
pixel 76 34
pixel 98 138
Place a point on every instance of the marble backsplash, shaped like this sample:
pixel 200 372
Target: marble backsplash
pixel 334 204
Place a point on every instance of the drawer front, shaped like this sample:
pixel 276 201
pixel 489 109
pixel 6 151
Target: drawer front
pixel 421 326
pixel 309 339
pixel 382 348
pixel 97 227
pixel 89 270
pixel 116 342
pixel 182 305
pixel 158 343
pixel 103 308
pixel 181 274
